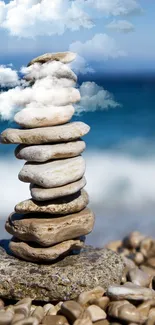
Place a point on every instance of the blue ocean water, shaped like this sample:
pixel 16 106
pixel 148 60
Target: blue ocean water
pixel 120 159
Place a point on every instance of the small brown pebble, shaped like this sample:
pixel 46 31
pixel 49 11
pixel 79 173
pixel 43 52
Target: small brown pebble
pixel 124 311
pixel 151 262
pixel 47 308
pixel 114 245
pixel 138 258
pixel 84 319
pixel 52 311
pixel 5 317
pixel 133 240
pixel 28 321
pixel 55 320
pixel 38 313
pixel 102 322
pixel 96 313
pixel 86 296
pixel 148 270
pixel 146 246
pixel 139 277
pixel 100 302
pixel 17 317
pixel 71 310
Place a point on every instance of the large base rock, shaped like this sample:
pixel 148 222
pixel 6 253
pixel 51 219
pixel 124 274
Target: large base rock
pixel 63 280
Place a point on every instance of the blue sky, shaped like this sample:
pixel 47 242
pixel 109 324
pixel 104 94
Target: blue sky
pixel 137 47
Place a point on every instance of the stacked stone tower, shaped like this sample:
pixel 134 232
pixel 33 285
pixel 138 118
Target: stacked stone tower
pixel 54 221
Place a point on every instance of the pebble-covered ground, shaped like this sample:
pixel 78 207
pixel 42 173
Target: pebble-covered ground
pixel 131 302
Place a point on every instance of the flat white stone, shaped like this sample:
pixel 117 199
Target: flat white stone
pixel 44 116
pixel 55 173
pixel 42 153
pixel 54 134
pixel 45 194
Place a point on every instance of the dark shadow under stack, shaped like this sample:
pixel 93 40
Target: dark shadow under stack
pixel 54 221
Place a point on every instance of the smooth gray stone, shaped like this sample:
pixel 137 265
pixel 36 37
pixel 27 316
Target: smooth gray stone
pixel 54 134
pixel 47 152
pixel 61 281
pixel 54 173
pixel 44 194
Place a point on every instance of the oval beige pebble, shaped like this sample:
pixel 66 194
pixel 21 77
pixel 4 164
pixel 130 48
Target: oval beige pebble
pixel 44 116
pixel 55 320
pixel 102 302
pixel 124 311
pixel 28 321
pixel 38 313
pixel 39 254
pixel 139 277
pixel 6 317
pixel 66 205
pixel 54 173
pixel 43 153
pixel 53 134
pixel 47 308
pixel 71 310
pixel 47 231
pixel 96 313
pixel 130 291
pixel 64 57
pixel 84 319
pixel 23 306
pixel 46 194
pixel 86 296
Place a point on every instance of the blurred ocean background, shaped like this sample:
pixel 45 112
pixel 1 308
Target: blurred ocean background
pixel 120 159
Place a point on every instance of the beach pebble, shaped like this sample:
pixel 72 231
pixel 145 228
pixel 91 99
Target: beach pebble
pixel 96 313
pixel 124 311
pixel 55 320
pixel 130 291
pixel 28 321
pixel 65 205
pixel 84 319
pixel 151 262
pixel 100 302
pixel 146 247
pixel 43 153
pixel 6 317
pixel 139 277
pixel 145 307
pixel 17 318
pixel 71 310
pixel 47 308
pixel 138 258
pixel 114 245
pixel 47 231
pixel 133 240
pixel 85 297
pixel 64 57
pixel 34 117
pixel 38 313
pixel 53 173
pixel 23 307
pixel 129 263
pixel 148 270
pixel 58 306
pixel 54 134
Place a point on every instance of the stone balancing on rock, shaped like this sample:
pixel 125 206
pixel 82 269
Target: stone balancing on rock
pixel 55 220
pixel 53 224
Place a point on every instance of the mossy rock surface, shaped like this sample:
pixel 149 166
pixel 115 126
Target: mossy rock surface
pixel 63 280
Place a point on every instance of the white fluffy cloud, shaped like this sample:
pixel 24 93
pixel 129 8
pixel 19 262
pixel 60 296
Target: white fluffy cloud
pixel 94 97
pixel 121 26
pixel 29 18
pixel 32 17
pixel 114 7
pixel 101 47
pixel 8 77
pixel 80 66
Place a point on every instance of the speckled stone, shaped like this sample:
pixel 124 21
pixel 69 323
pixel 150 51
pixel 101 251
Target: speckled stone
pixel 63 280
